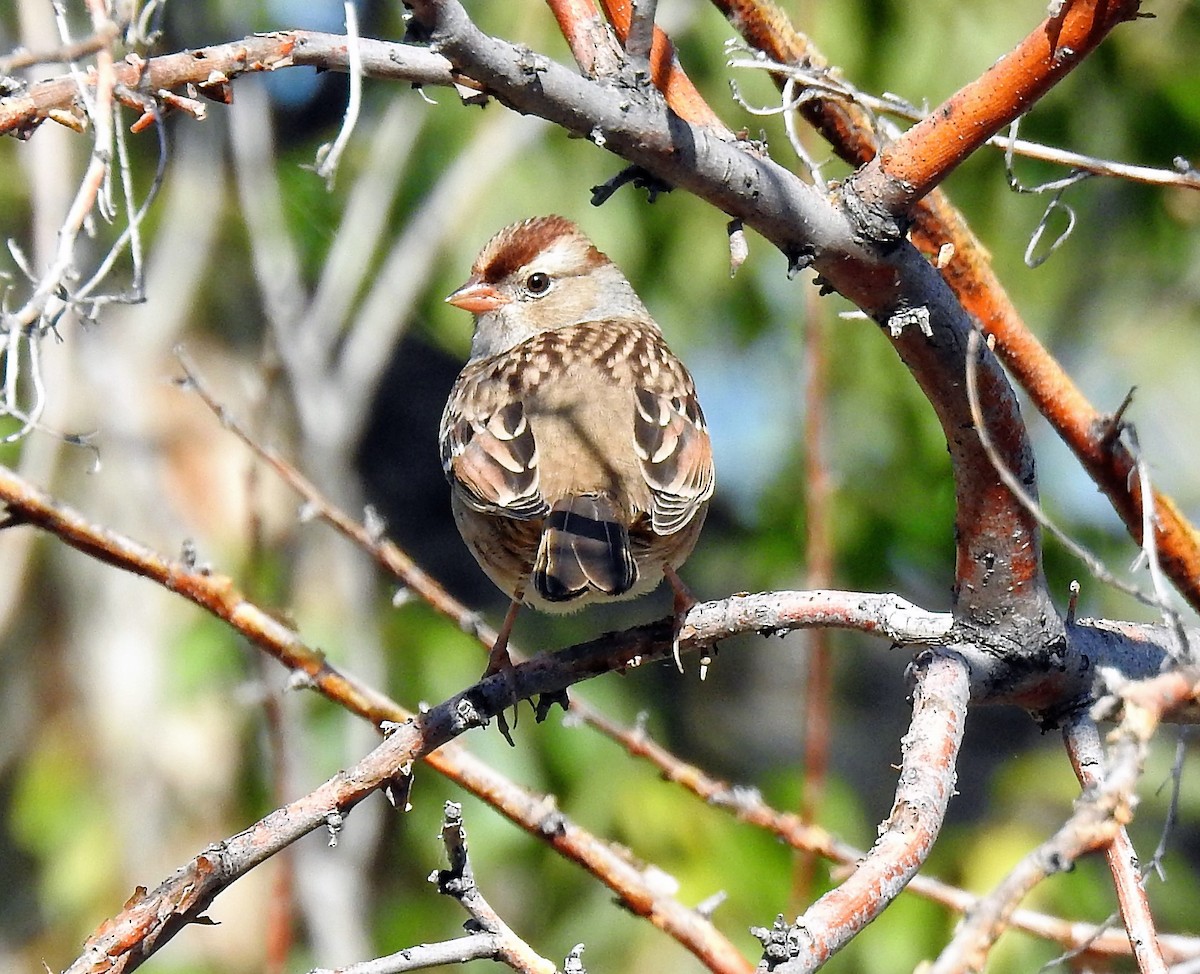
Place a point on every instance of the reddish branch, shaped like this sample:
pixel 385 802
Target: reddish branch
pixel 936 222
pixel 969 273
pixel 747 804
pixel 665 70
pixel 998 560
pixel 1087 758
pixel 909 167
pixel 998 573
pixel 591 44
pixel 927 778
pixel 765 27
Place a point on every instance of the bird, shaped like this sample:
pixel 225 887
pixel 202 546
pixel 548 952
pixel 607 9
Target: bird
pixel 579 461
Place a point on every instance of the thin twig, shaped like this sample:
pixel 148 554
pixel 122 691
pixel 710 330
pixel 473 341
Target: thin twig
pixel 495 939
pixel 824 85
pixel 328 156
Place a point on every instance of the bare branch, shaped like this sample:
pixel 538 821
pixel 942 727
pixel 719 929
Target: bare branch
pixel 927 778
pixel 1087 758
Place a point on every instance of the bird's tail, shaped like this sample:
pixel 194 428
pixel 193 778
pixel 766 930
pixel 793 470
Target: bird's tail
pixel 584 546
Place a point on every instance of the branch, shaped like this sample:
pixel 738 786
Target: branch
pixel 1087 758
pixel 1098 819
pixel 534 813
pixel 747 805
pixel 910 166
pixel 926 783
pixel 495 939
pixel 211 69
pixel 937 224
pixel 998 561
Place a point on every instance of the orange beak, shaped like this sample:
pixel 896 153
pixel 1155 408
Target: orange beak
pixel 477 297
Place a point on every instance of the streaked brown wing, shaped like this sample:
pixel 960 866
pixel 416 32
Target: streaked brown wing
pixel 492 460
pixel 671 440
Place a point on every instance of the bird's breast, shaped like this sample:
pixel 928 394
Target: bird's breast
pixel 583 425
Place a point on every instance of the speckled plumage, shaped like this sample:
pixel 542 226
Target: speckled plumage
pixel 577 452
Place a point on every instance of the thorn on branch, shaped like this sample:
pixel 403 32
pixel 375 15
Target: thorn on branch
pixel 547 701
pixel 639 177
pixel 798 260
pixel 1111 426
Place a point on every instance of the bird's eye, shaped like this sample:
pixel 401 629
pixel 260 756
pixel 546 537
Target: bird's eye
pixel 537 283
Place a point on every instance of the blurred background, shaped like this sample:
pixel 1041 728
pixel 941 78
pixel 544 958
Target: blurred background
pixel 135 730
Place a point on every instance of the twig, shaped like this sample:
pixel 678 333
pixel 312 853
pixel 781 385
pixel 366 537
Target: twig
pixel 818 559
pixel 491 939
pixel 822 85
pixel 535 814
pixel 640 36
pixel 850 129
pixel 72 51
pixel 328 156
pixel 1093 825
pixel 920 159
pixel 475 946
pixel 459 882
pixel 1180 649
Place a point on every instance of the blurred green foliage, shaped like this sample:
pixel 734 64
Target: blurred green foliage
pixel 1119 303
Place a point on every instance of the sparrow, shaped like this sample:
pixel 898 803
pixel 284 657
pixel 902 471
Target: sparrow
pixel 578 458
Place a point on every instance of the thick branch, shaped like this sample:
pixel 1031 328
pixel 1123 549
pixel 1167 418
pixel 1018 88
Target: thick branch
pixel 927 779
pixel 998 573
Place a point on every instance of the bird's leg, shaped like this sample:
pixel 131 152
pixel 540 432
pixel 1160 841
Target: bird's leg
pixel 500 662
pixel 498 659
pixel 682 600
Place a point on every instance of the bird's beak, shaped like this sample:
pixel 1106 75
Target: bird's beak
pixel 477 297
